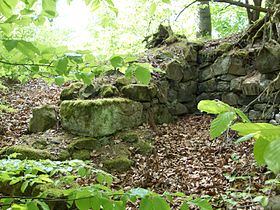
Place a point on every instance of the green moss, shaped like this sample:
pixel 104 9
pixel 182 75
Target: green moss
pixel 119 164
pixel 63 155
pixel 81 154
pixel 224 47
pixel 130 137
pixel 71 92
pixel 122 81
pixel 241 53
pixel 84 143
pixel 143 147
pixel 108 91
pixel 26 152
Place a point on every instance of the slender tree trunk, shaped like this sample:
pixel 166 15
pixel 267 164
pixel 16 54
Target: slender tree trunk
pixel 204 16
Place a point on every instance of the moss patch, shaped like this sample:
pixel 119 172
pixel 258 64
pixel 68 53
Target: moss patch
pixel 143 147
pixel 26 152
pixel 81 154
pixel 119 164
pixel 130 137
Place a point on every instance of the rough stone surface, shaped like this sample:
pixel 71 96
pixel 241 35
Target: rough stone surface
pixel 189 73
pixel 108 91
pixel 174 71
pixel 266 57
pixel 236 84
pixel 230 98
pixel 186 91
pixel 100 117
pixel 251 86
pixel 140 93
pixel 43 118
pixel 162 93
pixel 72 91
pixel 178 109
pixel 223 86
pixel 208 86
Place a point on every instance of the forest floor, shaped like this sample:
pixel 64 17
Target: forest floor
pixel 184 159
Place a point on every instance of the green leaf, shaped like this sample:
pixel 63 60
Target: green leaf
pixel 32 205
pixel 259 149
pixel 83 201
pixel 117 61
pixel 59 80
pixel 27 48
pixel 82 171
pixel 139 192
pixel 153 9
pixel 265 130
pixel 184 206
pixel 5 9
pixel 263 200
pixel 221 123
pixel 10 44
pixel 203 204
pixel 95 5
pixel 213 106
pixel 242 115
pixel 61 67
pixel 43 205
pixel 6 28
pixel 272 156
pixel 245 138
pixel 143 75
pixel 166 1
pixel 49 8
pixel 154 202
pixel 24 186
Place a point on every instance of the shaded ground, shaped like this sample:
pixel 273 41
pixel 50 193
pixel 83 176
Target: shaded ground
pixel 185 159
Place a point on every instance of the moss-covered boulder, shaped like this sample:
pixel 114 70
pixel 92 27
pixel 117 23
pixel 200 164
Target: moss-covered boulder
pixel 118 164
pixel 100 117
pixel 139 92
pixel 130 137
pixel 87 143
pixel 174 71
pixel 72 91
pixel 122 81
pixel 108 91
pixel 26 152
pixel 43 118
pixel 83 154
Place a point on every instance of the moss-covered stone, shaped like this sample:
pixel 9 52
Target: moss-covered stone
pixel 108 91
pixel 122 81
pixel 84 143
pixel 139 92
pixel 26 152
pixel 100 117
pixel 174 71
pixel 143 147
pixel 43 118
pixel 130 137
pixel 83 154
pixel 71 92
pixel 119 164
pixel 63 155
pixel 89 91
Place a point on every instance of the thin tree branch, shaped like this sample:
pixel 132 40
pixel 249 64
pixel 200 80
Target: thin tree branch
pixel 187 6
pixel 25 64
pixel 240 4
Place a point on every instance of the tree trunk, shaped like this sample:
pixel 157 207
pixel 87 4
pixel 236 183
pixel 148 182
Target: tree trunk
pixel 204 16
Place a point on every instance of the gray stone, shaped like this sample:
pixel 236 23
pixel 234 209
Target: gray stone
pixel 245 100
pixel 172 95
pixel 190 54
pixel 230 98
pixel 186 91
pixel 178 109
pixel 88 91
pixel 251 85
pixel 268 60
pixel 206 73
pixel 227 77
pixel 277 118
pixel 100 117
pixel 209 96
pixel 230 64
pixel 255 115
pixel 174 71
pixel 236 84
pixel 223 86
pixel 261 107
pixel 207 86
pixel 190 73
pixel 159 114
pixel 43 118
pixel 139 92
pixel 162 93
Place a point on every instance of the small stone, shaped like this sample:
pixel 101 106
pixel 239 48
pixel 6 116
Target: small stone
pixel 223 86
pixel 119 164
pixel 174 71
pixel 207 86
pixel 236 84
pixel 143 147
pixel 230 98
pixel 109 90
pixel 43 118
pixel 137 92
pixel 277 118
pixel 71 92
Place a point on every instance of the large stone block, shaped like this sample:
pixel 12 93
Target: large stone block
pixel 251 85
pixel 208 86
pixel 100 117
pixel 186 91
